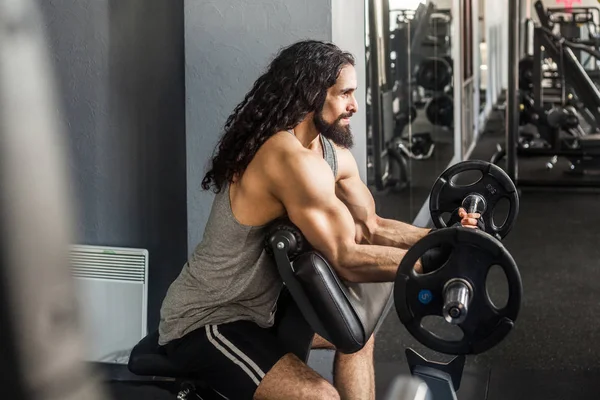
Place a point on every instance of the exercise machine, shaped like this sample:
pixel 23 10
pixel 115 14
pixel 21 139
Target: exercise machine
pixel 563 104
pixel 578 25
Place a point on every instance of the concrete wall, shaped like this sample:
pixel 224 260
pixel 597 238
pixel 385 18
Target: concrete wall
pixel 228 44
pixel 120 70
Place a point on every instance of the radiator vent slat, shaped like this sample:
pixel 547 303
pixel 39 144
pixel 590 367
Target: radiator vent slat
pixel 108 277
pixel 96 262
pixel 107 261
pixel 113 266
pixel 108 269
pixel 106 257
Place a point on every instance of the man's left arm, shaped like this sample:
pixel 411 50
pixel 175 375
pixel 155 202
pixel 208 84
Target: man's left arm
pixel 371 228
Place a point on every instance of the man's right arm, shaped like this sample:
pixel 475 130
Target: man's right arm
pixel 306 187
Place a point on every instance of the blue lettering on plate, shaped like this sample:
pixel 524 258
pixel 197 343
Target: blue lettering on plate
pixel 425 296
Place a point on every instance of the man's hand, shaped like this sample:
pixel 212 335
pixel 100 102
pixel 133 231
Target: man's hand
pixel 468 220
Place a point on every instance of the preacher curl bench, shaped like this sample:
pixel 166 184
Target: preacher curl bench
pixel 345 314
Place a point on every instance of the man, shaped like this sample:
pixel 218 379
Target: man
pixel 285 151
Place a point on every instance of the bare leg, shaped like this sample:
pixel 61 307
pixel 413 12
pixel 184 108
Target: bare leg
pixel 354 374
pixel 291 379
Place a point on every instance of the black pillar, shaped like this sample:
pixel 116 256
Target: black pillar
pixel 512 104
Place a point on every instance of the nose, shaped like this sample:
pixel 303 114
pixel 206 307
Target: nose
pixel 353 106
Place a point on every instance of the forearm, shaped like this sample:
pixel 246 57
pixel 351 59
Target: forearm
pixel 371 263
pixel 389 232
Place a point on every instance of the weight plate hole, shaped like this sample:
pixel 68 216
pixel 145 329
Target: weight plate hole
pixel 446 217
pixel 434 258
pixel 501 210
pixel 496 285
pixel 466 178
pixel 439 327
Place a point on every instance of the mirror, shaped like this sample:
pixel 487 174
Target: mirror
pixel 483 65
pixel 410 101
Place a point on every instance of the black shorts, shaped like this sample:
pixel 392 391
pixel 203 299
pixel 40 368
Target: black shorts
pixel 233 358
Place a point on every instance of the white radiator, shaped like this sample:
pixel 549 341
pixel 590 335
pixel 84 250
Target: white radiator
pixel 112 294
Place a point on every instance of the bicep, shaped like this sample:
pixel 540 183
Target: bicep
pixel 308 195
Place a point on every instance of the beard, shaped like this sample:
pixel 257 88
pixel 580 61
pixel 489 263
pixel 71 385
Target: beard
pixel 335 131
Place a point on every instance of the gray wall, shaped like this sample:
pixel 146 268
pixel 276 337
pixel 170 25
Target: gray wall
pixel 348 32
pixel 120 68
pixel 228 45
pixel 140 132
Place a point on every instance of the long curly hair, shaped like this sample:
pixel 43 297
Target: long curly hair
pixel 294 85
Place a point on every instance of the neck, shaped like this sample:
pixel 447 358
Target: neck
pixel 306 133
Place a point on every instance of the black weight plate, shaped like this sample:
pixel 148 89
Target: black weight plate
pixel 473 254
pixel 434 73
pixel 440 110
pixel 494 186
pixel 526 73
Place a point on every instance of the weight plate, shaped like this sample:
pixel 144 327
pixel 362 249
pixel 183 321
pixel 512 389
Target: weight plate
pixel 473 253
pixel 494 185
pixel 440 110
pixel 434 73
pixel 526 73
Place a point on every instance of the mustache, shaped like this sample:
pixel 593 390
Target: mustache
pixel 349 115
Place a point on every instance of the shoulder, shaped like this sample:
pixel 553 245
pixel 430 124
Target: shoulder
pixel 285 162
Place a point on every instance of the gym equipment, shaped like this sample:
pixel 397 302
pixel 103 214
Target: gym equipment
pixel 434 73
pixel 408 388
pixel 344 313
pixel 573 22
pixel 421 146
pixel 440 110
pixel 568 67
pixel 560 100
pixel 388 153
pixel 457 292
pixel 482 196
pixel 526 74
pixel 405 116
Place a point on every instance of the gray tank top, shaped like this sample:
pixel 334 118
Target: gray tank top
pixel 229 276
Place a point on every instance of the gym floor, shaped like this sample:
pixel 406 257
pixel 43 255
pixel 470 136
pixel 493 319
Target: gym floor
pixel 551 353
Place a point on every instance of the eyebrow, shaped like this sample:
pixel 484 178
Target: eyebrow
pixel 348 89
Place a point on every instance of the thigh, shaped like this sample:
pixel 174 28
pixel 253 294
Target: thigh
pixel 292 379
pixel 231 358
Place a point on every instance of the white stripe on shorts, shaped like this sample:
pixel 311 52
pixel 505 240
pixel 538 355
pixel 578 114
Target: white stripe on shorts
pixel 237 351
pixel 230 356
